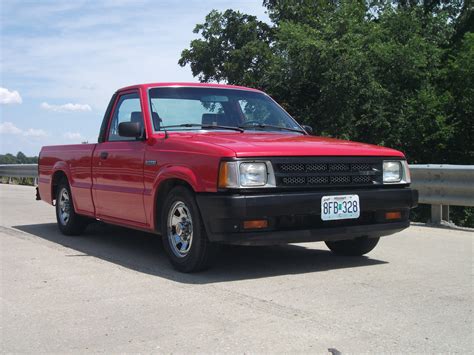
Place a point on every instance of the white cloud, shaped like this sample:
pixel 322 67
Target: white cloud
pixel 66 107
pixel 10 128
pixel 9 97
pixel 74 136
pixel 32 132
pixel 84 51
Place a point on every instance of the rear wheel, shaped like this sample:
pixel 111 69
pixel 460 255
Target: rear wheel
pixel 353 247
pixel 69 222
pixel 184 237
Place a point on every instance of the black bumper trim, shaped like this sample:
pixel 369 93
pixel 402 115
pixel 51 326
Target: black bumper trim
pixel 223 213
pixel 311 235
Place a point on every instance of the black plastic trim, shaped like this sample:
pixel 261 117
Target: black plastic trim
pixel 105 120
pixel 223 214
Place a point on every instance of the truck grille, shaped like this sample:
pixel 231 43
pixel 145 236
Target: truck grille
pixel 327 171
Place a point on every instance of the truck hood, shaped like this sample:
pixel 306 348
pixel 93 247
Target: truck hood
pixel 261 144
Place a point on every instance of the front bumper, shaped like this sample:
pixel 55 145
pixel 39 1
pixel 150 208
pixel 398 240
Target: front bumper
pixel 296 216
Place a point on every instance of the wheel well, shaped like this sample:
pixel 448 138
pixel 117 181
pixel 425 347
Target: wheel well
pixel 57 177
pixel 163 190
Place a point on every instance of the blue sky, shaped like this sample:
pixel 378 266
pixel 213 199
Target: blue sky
pixel 60 61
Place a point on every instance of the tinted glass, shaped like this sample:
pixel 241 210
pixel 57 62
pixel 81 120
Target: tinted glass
pixel 128 109
pixel 210 106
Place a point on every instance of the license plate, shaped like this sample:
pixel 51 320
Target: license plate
pixel 340 207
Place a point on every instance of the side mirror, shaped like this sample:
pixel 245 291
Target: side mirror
pixel 130 129
pixel 308 129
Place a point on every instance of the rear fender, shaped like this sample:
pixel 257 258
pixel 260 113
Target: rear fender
pixel 46 176
pixel 64 168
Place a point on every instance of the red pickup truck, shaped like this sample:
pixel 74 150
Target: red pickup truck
pixel 208 164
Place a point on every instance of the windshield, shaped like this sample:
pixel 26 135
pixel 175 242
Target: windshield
pixel 174 106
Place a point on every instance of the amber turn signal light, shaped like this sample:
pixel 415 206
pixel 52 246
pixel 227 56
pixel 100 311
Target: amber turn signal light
pixel 393 215
pixel 223 172
pixel 256 224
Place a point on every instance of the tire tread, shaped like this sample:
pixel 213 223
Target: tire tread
pixel 77 223
pixel 203 252
pixel 353 247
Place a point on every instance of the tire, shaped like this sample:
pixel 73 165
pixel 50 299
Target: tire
pixel 353 247
pixel 183 235
pixel 69 222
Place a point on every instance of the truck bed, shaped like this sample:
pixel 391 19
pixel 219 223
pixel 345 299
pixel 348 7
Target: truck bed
pixel 76 161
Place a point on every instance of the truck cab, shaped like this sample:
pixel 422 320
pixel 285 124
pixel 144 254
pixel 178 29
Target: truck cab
pixel 207 164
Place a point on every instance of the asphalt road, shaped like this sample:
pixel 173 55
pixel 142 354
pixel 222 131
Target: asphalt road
pixel 112 290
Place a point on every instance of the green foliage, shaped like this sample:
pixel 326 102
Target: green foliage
pixel 383 72
pixel 235 45
pixel 459 89
pixel 461 216
pixel 17 181
pixel 20 158
pixel 394 73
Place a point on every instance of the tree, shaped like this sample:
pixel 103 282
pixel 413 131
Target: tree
pixel 234 48
pixel 7 159
pixel 20 158
pixel 384 72
pixel 459 86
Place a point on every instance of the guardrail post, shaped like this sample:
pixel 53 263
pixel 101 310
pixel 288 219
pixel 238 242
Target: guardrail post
pixel 439 213
pixel 445 213
pixel 436 214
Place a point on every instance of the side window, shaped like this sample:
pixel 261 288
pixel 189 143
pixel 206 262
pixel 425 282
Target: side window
pixel 128 109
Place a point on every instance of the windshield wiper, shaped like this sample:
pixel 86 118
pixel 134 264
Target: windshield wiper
pixel 205 126
pixel 263 125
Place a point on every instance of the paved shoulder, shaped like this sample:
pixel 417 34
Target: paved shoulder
pixel 113 290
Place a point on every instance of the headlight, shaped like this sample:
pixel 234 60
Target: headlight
pixel 246 174
pixel 396 172
pixel 253 174
pixel 392 171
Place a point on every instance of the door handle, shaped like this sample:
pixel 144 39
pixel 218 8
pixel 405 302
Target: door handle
pixel 104 155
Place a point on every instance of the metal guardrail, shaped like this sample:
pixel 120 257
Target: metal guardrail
pixel 443 185
pixel 440 186
pixel 19 170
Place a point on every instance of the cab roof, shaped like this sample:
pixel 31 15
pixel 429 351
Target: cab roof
pixel 186 84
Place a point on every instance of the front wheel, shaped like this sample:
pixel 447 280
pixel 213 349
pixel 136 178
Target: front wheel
pixel 353 247
pixel 184 238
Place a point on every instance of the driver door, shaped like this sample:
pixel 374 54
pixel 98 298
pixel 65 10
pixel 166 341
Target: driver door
pixel 117 167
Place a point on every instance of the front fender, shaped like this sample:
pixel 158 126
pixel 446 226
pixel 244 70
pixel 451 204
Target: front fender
pixel 182 173
pixel 178 172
